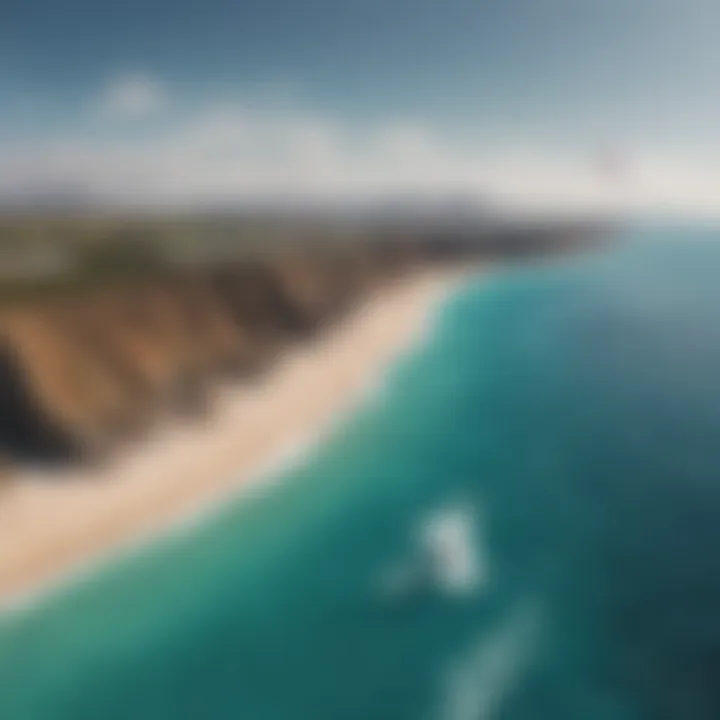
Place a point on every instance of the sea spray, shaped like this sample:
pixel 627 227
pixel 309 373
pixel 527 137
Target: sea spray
pixel 445 555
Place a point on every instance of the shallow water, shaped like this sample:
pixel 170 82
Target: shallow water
pixel 525 525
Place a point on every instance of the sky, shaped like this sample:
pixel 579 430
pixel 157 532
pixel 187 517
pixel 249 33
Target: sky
pixel 541 104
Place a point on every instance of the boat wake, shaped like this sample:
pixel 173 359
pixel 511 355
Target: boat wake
pixel 477 684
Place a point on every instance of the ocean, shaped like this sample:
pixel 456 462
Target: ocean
pixel 523 523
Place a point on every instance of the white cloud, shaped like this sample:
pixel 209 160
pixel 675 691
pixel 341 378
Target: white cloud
pixel 132 96
pixel 233 153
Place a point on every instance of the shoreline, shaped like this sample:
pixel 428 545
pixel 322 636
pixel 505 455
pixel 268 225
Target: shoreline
pixel 57 527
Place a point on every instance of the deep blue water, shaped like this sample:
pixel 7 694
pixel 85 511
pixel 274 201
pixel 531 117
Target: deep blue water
pixel 525 525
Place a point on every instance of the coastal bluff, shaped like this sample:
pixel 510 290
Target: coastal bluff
pixel 87 369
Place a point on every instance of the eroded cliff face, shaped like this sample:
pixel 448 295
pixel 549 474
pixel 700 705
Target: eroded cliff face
pixel 82 372
pixel 89 364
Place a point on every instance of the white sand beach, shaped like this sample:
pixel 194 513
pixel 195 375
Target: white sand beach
pixel 56 525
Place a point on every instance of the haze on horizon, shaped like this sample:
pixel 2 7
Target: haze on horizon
pixel 547 105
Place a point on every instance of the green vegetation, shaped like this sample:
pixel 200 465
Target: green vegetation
pixel 43 255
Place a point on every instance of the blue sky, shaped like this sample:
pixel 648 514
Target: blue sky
pixel 369 93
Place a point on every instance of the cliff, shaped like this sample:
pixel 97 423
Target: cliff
pixel 81 371
pixel 85 367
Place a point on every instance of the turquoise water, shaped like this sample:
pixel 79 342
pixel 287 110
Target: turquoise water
pixel 524 525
